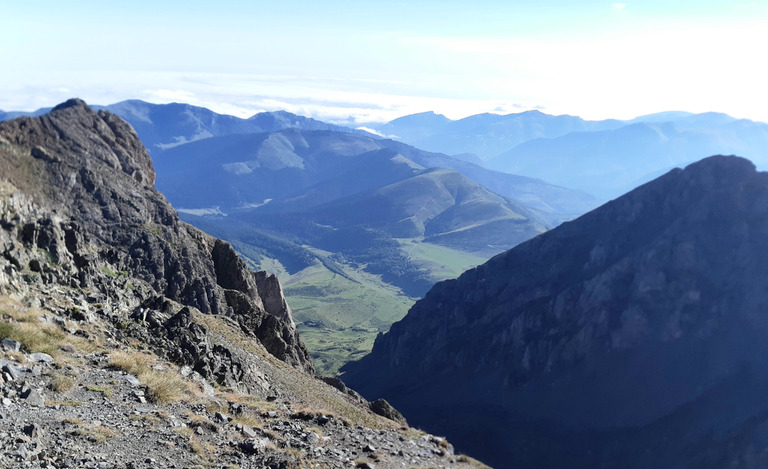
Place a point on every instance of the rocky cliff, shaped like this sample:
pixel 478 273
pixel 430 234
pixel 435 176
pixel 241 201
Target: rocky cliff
pixel 634 336
pixel 92 171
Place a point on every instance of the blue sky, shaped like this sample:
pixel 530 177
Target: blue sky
pixel 356 61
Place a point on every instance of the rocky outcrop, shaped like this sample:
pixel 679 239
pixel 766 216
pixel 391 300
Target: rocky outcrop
pixel 91 173
pixel 639 325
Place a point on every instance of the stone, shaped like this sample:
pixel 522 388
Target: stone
pixel 40 357
pixel 312 438
pixel 13 371
pixel 33 430
pixel 223 418
pixel 33 397
pixel 132 380
pixel 383 408
pixel 253 445
pixel 369 449
pixel 248 431
pixel 6 402
pixel 10 345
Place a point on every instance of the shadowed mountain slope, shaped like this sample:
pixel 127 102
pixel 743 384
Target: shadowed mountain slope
pixel 633 336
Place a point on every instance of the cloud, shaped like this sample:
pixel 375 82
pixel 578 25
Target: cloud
pixel 619 6
pixel 170 95
pixel 376 132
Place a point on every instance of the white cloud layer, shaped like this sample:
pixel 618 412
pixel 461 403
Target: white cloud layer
pixel 620 65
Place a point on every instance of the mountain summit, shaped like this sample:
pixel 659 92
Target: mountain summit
pixel 634 336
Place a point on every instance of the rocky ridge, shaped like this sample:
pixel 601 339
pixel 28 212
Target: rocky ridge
pixel 131 339
pixel 639 325
pixel 95 173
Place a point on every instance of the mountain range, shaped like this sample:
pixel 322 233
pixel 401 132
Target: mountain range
pixel 305 202
pixel 633 336
pixel 603 158
pixel 483 136
pixel 348 206
pixel 332 209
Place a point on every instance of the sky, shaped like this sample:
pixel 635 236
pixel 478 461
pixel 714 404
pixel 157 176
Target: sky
pixel 356 62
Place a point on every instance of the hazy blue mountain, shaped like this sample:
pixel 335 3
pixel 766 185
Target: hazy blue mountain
pixel 484 135
pixel 554 203
pixel 665 116
pixel 438 205
pixel 610 162
pixel 414 127
pixel 244 170
pixel 341 180
pixel 8 115
pixel 632 337
pixel 163 126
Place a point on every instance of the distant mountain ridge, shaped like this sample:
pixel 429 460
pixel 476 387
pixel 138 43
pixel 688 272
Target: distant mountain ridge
pixel 485 135
pixel 610 162
pixel 640 325
pixel 164 126
pixel 603 158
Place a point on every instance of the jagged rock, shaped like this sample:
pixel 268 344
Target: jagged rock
pixel 83 157
pixel 12 370
pixel 383 408
pixel 253 445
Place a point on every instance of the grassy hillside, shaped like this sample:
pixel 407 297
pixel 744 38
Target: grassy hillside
pixel 339 314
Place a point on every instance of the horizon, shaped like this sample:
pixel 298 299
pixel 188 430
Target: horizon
pixel 361 126
pixel 354 63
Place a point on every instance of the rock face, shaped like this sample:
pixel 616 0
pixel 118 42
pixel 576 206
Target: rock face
pixel 95 179
pixel 634 336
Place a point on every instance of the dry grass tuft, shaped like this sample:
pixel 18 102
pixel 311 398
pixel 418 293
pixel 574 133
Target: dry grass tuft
pixel 133 362
pixel 163 386
pixel 62 383
pixel 72 421
pixel 104 390
pixel 50 403
pixel 34 337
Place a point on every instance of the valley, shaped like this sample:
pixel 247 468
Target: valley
pixel 383 235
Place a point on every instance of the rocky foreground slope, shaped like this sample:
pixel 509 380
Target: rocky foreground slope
pixel 130 339
pixel 634 336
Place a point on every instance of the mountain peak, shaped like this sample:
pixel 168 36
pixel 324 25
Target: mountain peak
pixel 73 102
pixel 640 320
